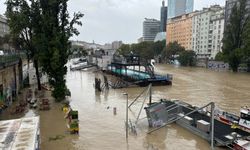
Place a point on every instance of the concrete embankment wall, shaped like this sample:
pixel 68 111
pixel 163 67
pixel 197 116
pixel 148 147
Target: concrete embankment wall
pixel 10 81
pixel 211 64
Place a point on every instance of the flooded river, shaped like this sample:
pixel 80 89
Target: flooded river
pixel 101 129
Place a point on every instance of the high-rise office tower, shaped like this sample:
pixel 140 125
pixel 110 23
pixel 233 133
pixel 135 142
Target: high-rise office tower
pixel 150 28
pixel 164 16
pixel 179 7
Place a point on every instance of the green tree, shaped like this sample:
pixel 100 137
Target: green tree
pixel 143 49
pixel 158 47
pixel 246 49
pixel 146 50
pixel 187 58
pixel 124 49
pixel 233 40
pixel 219 56
pixel 171 50
pixel 54 43
pixel 24 22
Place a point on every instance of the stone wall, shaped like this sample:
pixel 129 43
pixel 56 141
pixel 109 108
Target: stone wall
pixel 10 82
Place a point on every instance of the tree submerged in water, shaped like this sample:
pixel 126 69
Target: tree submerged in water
pixel 187 58
pixel 234 39
pixel 24 22
pixel 45 28
pixel 54 43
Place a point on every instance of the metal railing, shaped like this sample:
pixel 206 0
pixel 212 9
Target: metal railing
pixel 9 59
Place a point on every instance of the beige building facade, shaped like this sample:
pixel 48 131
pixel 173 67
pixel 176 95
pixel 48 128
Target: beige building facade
pixel 179 29
pixel 4 28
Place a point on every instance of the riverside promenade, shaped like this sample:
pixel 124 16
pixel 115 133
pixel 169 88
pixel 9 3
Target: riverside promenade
pixel 53 129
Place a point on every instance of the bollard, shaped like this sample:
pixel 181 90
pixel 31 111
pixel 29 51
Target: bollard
pixel 114 110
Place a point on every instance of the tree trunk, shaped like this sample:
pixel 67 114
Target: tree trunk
pixel 37 74
pixel 235 67
pixel 248 67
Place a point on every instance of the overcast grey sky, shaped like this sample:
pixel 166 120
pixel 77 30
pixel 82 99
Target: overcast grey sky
pixel 105 21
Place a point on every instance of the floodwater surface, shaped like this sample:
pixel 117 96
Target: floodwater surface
pixel 100 128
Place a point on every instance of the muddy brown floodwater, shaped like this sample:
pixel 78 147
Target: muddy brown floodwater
pixel 101 129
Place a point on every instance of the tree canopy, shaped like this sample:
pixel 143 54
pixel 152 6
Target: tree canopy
pixel 45 28
pixel 146 50
pixel 53 41
pixel 234 39
pixel 246 48
pixel 171 50
pixel 24 21
pixel 187 58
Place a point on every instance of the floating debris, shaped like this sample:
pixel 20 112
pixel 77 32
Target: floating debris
pixel 57 137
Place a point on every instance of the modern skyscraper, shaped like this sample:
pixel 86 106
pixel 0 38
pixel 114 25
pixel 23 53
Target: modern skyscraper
pixel 150 28
pixel 179 7
pixel 164 17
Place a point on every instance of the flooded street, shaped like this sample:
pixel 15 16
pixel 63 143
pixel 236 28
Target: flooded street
pixel 101 129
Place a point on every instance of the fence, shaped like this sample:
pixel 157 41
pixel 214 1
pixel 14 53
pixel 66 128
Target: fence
pixel 9 59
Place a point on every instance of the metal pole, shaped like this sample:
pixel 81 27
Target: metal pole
pixel 126 116
pixel 150 93
pixel 212 125
pixel 137 97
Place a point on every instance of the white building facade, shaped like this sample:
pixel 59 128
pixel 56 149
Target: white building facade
pixel 207 31
pixel 218 21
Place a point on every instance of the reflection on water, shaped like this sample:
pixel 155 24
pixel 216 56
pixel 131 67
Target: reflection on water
pixel 101 129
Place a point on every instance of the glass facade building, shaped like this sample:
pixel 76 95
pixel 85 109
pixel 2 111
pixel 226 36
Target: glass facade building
pixel 179 7
pixel 164 16
pixel 150 28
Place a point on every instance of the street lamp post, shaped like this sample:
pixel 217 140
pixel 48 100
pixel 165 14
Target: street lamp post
pixel 126 116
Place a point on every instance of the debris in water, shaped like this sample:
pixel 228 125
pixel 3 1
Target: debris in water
pixel 114 110
pixel 57 137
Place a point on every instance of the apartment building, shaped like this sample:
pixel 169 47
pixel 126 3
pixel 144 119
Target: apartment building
pixel 207 31
pixel 180 29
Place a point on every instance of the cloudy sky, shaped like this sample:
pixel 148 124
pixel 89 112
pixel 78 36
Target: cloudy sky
pixel 105 21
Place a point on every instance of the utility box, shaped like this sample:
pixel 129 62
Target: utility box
pixel 203 125
pixel 188 120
